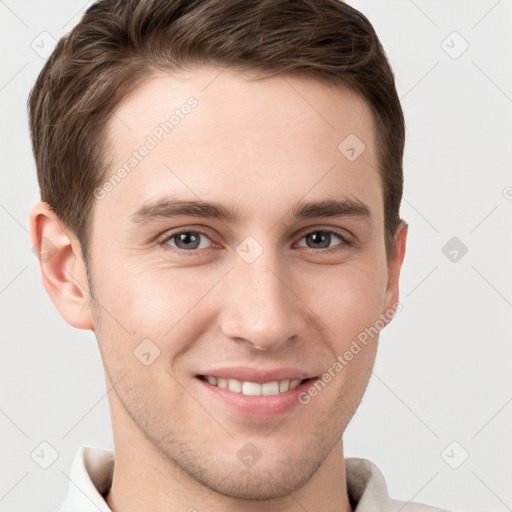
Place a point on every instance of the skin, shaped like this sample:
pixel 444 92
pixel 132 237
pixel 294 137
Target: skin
pixel 259 147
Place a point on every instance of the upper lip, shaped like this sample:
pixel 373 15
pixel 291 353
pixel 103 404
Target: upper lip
pixel 259 375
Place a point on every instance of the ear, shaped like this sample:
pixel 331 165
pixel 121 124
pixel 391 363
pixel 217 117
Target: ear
pixel 62 266
pixel 394 266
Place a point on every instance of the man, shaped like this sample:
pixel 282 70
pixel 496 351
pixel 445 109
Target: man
pixel 267 136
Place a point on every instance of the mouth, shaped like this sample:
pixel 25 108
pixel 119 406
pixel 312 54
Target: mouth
pixel 249 388
pixel 264 400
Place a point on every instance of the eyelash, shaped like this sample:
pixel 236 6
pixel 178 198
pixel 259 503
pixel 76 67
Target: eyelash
pixel 345 241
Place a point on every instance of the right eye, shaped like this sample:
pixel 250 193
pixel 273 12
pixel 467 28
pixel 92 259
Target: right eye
pixel 186 241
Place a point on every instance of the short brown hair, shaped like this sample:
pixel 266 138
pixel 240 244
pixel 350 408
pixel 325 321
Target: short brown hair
pixel 120 43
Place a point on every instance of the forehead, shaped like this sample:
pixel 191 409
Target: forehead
pixel 213 133
pixel 228 99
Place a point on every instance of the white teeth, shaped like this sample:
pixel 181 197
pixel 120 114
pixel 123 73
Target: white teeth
pixel 251 389
pixel 294 383
pixel 254 388
pixel 270 388
pixel 284 385
pixel 234 385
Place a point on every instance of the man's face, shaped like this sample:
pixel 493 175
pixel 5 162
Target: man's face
pixel 183 297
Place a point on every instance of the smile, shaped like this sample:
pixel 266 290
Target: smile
pixel 254 388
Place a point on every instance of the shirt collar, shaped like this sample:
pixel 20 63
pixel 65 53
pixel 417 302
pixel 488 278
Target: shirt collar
pixel 89 481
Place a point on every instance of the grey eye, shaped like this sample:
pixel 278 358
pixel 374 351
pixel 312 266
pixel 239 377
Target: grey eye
pixel 320 239
pixel 188 240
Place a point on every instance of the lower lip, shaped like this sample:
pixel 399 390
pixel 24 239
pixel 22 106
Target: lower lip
pixel 257 406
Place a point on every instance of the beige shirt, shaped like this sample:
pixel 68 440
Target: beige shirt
pixel 92 470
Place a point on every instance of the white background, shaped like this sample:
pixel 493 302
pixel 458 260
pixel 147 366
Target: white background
pixel 444 364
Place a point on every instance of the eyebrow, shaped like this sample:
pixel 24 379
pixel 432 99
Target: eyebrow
pixel 170 207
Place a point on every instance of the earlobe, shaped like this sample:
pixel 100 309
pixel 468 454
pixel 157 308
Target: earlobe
pixel 394 266
pixel 62 266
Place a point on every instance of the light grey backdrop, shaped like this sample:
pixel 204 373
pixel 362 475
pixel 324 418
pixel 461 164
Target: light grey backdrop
pixel 437 415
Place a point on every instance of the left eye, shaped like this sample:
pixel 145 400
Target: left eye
pixel 322 239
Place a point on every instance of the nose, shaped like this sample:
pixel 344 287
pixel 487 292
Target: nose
pixel 260 305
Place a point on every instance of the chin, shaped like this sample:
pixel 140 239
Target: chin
pixel 261 484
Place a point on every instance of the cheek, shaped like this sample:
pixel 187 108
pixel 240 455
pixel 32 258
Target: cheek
pixel 153 301
pixel 349 303
pixel 347 300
